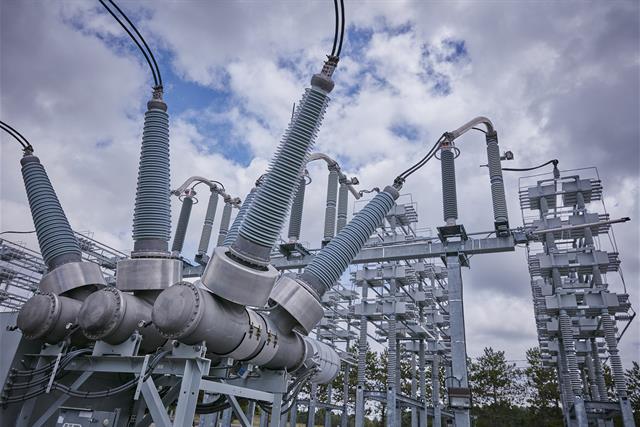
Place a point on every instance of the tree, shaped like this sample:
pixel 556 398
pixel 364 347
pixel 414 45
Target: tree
pixel 494 382
pixel 633 386
pixel 542 382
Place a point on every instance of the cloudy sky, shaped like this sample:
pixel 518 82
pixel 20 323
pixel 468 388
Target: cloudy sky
pixel 559 80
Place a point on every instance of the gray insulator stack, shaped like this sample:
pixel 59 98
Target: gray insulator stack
pixel 362 350
pixel 333 259
pixel 449 195
pixel 295 220
pixel 599 374
pixel 593 385
pixel 330 210
pixel 152 214
pixel 183 223
pixel 224 223
pixel 343 202
pixel 568 343
pixel 58 244
pixel 614 357
pixel 232 234
pixel 205 237
pixel 261 227
pixel 497 184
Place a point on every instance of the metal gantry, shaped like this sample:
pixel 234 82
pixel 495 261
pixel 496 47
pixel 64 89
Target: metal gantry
pixel 579 294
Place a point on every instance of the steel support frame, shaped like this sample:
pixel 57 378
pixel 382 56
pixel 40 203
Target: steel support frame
pixel 457 333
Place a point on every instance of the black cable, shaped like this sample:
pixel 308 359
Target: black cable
pixel 335 34
pixel 143 41
pixel 422 161
pixel 479 130
pixel 554 161
pixel 17 232
pixel 342 29
pixel 26 145
pixel 92 394
pixel 153 72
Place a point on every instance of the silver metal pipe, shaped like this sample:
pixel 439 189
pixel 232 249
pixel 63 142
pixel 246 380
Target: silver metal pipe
pixel 480 120
pixel 331 163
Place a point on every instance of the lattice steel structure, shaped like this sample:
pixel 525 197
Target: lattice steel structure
pixel 580 298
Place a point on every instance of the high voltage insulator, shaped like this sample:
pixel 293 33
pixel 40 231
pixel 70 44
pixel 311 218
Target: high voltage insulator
pixel 260 228
pixel 333 260
pixel 58 244
pixel 152 213
pixel 449 195
pixel 232 233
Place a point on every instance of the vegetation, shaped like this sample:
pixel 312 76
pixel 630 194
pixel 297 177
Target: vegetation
pixel 503 394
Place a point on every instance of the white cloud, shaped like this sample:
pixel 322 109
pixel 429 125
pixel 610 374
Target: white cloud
pixel 559 80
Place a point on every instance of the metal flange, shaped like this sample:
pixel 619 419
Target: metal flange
pixel 71 276
pixel 297 300
pixel 236 282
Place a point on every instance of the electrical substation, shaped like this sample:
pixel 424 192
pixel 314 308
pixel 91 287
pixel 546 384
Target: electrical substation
pixel 232 334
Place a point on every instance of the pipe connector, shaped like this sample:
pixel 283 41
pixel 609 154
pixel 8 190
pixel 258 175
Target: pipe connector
pixel 113 316
pixel 46 316
pixel 299 300
pixel 71 276
pixel 229 278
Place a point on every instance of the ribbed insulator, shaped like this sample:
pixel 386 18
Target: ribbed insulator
pixel 591 372
pixel 232 234
pixel 183 223
pixel 58 244
pixel 551 242
pixel 449 195
pixel 333 259
pixel 362 350
pixel 152 214
pixel 224 223
pixel 495 175
pixel 264 220
pixel 205 237
pixel 614 357
pixel 599 373
pixel 566 330
pixel 295 220
pixel 580 200
pixel 343 205
pixel 330 210
pixel 391 355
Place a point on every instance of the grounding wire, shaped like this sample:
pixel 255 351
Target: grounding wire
pixel 153 72
pixel 26 145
